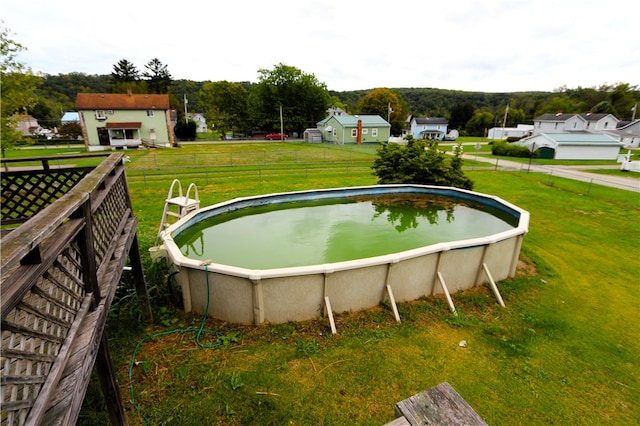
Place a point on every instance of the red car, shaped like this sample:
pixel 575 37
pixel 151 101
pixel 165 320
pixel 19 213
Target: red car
pixel 277 136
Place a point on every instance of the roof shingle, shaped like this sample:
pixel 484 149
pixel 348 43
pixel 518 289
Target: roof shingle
pixel 86 101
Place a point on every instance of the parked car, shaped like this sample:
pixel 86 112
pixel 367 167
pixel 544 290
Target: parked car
pixel 277 136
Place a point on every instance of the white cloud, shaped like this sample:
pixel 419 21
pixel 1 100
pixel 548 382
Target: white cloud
pixel 492 46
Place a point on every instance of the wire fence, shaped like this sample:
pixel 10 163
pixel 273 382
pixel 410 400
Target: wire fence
pixel 209 174
pixel 207 165
pixel 212 166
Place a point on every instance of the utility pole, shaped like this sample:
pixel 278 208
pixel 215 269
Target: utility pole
pixel 281 125
pixel 186 121
pixel 504 121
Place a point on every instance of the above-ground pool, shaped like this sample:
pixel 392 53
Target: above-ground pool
pixel 301 255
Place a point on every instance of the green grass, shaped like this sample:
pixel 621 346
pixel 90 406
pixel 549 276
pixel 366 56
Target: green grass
pixel 565 350
pixel 616 172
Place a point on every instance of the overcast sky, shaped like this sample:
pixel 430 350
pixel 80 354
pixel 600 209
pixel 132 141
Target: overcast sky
pixel 488 46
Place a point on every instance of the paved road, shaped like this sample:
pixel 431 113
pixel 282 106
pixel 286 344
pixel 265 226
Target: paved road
pixel 569 172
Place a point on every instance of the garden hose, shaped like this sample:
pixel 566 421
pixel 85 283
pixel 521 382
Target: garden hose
pixel 199 332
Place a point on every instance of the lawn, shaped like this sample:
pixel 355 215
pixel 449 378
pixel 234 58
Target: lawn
pixel 565 350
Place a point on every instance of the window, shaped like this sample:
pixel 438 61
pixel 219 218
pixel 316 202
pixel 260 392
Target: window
pixel 335 132
pixel 365 131
pixel 606 123
pixel 117 134
pixel 100 114
pixel 149 113
pixel 354 133
pixel 374 132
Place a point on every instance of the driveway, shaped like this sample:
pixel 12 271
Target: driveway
pixel 569 172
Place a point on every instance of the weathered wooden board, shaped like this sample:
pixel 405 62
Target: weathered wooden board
pixel 440 405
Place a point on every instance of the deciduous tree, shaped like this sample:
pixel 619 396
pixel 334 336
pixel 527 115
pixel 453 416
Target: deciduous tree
pixel 303 99
pixel 421 162
pixel 481 121
pixel 226 106
pixel 460 114
pixel 387 104
pixel 17 85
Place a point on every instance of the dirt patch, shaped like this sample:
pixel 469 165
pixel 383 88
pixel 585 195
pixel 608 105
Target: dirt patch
pixel 526 267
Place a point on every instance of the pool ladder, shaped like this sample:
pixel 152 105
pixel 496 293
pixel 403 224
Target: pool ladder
pixel 180 206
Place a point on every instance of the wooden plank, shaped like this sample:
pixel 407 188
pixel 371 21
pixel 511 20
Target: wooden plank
pixel 39 227
pixel 60 398
pixel 21 241
pixel 17 281
pixel 66 404
pixel 109 252
pixel 97 197
pixel 110 388
pixel 49 157
pixel 440 405
pixel 37 411
pixel 399 421
pixel 138 275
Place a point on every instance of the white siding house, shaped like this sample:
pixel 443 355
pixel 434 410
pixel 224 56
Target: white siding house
pixel 520 131
pixel 627 132
pixel 599 122
pixel 565 123
pixel 551 123
pixel 201 122
pixel 573 146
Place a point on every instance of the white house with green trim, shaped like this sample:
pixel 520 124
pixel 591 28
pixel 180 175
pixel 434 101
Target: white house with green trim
pixel 356 129
pixel 573 146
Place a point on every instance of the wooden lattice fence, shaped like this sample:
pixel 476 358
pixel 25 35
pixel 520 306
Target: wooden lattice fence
pixel 60 270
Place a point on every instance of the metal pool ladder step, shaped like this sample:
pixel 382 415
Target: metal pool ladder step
pixel 178 206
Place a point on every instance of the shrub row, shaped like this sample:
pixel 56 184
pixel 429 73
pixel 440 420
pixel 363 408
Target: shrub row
pixel 510 150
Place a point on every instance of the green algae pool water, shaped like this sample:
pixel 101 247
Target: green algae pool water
pixel 304 233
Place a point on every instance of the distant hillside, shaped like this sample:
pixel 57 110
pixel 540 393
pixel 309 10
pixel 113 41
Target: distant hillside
pixel 439 102
pixel 421 101
pixel 60 92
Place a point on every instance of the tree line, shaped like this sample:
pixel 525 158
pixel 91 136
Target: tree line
pixel 289 96
pixel 228 105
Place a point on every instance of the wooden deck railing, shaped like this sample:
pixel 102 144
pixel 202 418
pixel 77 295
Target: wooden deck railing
pixel 60 270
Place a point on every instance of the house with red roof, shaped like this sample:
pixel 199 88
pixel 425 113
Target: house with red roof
pixel 117 120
